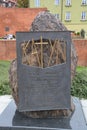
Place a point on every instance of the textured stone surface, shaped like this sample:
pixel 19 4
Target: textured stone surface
pixel 43 22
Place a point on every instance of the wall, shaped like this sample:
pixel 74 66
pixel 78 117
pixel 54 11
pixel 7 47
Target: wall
pixel 53 8
pixel 16 19
pixel 8 50
pixel 81 48
pixel 76 23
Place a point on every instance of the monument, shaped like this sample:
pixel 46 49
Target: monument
pixel 42 81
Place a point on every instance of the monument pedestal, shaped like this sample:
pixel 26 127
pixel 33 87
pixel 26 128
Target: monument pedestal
pixel 11 119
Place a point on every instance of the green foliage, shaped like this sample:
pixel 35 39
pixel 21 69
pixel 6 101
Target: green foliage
pixel 79 84
pixel 4 88
pixel 4 82
pixel 78 33
pixel 82 33
pixel 23 3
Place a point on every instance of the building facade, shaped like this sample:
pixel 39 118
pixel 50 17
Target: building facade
pixel 8 3
pixel 73 13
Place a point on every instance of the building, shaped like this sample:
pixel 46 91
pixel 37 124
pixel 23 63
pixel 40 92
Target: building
pixel 8 3
pixel 73 13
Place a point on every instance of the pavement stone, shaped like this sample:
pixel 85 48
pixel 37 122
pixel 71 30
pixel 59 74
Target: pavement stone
pixel 84 107
pixel 4 101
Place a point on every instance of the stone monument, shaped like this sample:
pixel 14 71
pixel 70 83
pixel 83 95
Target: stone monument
pixel 40 79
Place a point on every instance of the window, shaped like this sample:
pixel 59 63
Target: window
pixel 57 16
pixel 68 2
pixel 56 2
pixel 83 15
pixel 84 2
pixel 9 4
pixel 68 16
pixel 37 3
pixel 4 5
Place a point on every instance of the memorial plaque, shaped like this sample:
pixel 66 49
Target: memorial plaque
pixel 43 84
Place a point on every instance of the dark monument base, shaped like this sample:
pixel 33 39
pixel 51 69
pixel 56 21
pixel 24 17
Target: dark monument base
pixel 11 119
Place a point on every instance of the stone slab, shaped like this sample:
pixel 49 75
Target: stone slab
pixel 11 119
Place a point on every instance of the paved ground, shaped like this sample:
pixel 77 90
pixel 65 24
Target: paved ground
pixel 4 100
pixel 84 106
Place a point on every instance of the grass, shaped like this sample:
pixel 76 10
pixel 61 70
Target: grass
pixel 80 69
pixel 78 89
pixel 4 67
pixel 4 79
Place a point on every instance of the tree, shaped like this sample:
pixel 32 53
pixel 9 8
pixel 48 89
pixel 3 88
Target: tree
pixel 82 33
pixel 22 3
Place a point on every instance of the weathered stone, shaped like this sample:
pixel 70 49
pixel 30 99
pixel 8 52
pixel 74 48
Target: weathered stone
pixel 44 21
